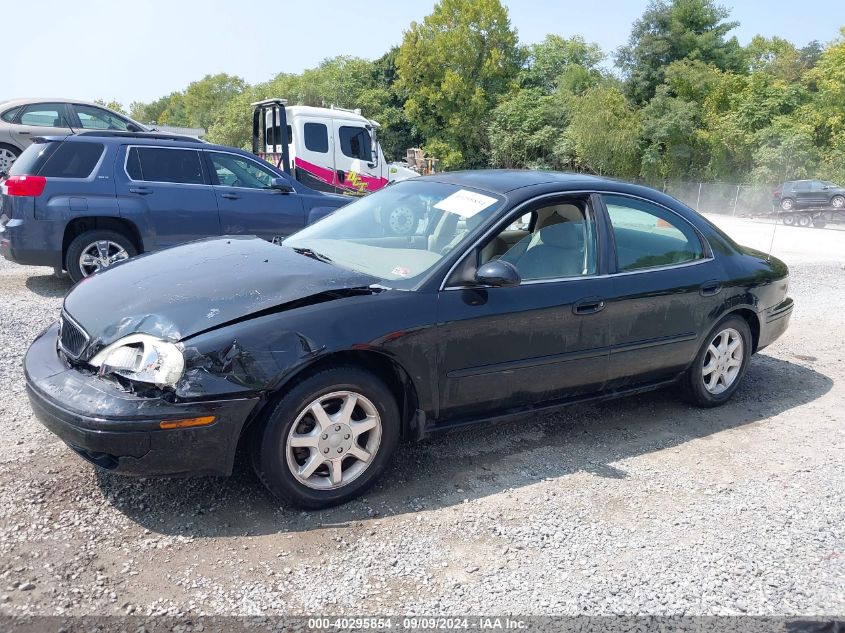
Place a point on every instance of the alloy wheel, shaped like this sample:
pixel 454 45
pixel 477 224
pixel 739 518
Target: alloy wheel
pixel 99 255
pixel 7 157
pixel 786 204
pixel 838 202
pixel 723 361
pixel 333 440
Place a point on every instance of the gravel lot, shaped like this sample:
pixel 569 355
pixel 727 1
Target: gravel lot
pixel 643 505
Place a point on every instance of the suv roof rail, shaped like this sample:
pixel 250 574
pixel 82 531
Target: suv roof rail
pixel 156 136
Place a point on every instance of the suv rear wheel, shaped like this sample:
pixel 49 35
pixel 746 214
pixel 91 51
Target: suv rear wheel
pixel 96 250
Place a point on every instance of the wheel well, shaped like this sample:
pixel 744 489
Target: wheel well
pixel 15 148
pixel 753 324
pixel 78 226
pixel 389 371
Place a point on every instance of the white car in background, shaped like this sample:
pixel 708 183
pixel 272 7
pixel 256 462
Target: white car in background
pixel 23 119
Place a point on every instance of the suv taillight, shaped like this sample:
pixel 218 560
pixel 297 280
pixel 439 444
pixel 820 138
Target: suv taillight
pixel 31 186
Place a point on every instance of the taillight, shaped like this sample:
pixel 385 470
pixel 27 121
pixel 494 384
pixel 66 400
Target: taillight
pixel 776 193
pixel 24 185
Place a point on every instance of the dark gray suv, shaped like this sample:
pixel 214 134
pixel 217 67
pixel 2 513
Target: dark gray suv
pixel 801 194
pixel 87 201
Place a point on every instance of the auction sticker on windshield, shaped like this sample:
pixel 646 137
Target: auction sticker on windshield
pixel 465 203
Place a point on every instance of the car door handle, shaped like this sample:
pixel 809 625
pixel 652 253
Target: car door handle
pixel 230 196
pixel 341 176
pixel 590 305
pixel 143 191
pixel 710 289
pixel 22 132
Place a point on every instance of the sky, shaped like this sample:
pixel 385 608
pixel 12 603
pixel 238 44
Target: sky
pixel 139 51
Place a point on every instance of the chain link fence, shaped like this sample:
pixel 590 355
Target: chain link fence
pixel 723 198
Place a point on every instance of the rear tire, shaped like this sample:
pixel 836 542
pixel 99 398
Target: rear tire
pixel 787 204
pixel 701 383
pixel 118 247
pixel 788 219
pixel 8 155
pixel 804 220
pixel 282 448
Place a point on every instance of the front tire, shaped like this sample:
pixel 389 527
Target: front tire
pixel 93 251
pixel 720 364
pixel 327 439
pixel 837 202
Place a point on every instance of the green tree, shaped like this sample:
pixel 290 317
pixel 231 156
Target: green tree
pixel 111 105
pixel 453 68
pixel 672 30
pixel 556 60
pixel 169 110
pixel 528 130
pixel 775 57
pixel 605 131
pixel 206 99
pixel 828 79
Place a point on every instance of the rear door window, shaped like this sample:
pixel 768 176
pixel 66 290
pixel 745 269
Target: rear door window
pixel 160 164
pixel 648 236
pixel 44 115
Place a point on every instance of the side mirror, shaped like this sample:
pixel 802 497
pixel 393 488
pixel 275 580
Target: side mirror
pixel 498 273
pixel 281 185
pixel 131 127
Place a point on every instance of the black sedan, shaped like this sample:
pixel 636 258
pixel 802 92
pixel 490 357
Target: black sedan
pixel 515 292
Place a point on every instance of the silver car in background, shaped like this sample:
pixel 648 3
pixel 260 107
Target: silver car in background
pixel 23 119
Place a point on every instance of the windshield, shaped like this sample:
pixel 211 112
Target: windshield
pixel 400 232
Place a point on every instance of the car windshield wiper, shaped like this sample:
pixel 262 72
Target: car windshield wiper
pixel 312 254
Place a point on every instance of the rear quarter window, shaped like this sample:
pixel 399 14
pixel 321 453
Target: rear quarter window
pixel 73 160
pixel 33 158
pixel 9 115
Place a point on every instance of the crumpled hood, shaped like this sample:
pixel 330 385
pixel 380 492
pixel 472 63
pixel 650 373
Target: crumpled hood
pixel 181 291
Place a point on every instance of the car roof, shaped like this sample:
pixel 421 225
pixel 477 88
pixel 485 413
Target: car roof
pixel 24 101
pixel 505 180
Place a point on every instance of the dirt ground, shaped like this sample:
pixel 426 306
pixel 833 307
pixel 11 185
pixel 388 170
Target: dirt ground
pixel 637 506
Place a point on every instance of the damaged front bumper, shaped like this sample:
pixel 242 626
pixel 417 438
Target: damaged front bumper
pixel 122 432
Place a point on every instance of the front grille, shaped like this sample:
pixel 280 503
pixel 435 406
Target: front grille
pixel 73 338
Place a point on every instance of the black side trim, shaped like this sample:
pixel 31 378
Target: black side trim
pixel 536 361
pixel 522 412
pixel 551 359
pixel 653 342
